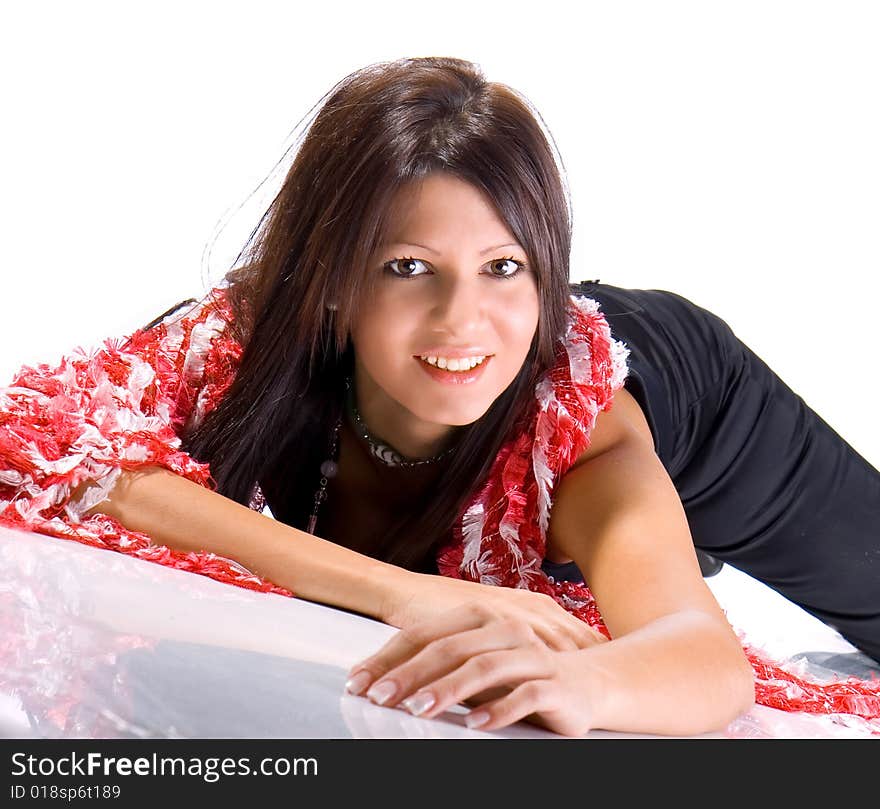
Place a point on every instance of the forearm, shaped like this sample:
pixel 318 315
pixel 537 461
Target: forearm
pixel 681 675
pixel 185 516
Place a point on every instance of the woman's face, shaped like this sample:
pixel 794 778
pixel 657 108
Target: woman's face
pixel 450 280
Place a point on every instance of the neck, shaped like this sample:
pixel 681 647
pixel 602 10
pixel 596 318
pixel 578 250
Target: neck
pixel 389 423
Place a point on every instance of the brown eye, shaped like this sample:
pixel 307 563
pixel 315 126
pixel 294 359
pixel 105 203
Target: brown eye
pixel 513 266
pixel 406 267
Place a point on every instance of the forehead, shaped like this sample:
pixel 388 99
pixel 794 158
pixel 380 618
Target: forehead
pixel 441 202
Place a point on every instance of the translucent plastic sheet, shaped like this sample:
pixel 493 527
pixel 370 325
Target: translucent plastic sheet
pixel 96 644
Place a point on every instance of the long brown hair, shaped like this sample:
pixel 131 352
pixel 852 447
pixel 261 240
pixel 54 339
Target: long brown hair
pixel 381 127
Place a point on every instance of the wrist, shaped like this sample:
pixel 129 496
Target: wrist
pixel 398 587
pixel 602 687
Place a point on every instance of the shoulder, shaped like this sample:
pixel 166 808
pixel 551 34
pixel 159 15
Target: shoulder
pixel 621 454
pixel 623 420
pixel 192 325
pixel 597 363
pixel 596 360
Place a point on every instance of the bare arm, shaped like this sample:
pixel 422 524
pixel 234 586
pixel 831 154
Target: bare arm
pixel 185 516
pixel 674 663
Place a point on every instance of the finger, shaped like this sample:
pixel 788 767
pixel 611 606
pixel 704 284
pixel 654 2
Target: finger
pixel 559 636
pixel 444 655
pixel 568 636
pixel 533 696
pixel 563 631
pixel 478 675
pixel 588 636
pixel 487 695
pixel 412 639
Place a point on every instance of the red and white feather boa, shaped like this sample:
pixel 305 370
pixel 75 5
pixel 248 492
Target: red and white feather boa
pixel 126 404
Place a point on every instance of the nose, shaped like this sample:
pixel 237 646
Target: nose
pixel 459 305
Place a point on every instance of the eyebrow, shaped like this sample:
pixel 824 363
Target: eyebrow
pixel 436 253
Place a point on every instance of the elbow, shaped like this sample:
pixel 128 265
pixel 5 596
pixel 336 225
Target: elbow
pixel 733 696
pixel 735 680
pixel 739 687
pixel 742 675
pixel 736 698
pixel 738 675
pixel 744 686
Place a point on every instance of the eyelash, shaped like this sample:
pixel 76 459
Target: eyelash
pixel 520 267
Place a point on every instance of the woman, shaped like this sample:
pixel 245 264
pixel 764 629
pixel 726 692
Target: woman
pixel 400 371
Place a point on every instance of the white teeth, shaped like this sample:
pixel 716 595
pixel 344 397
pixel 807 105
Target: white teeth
pixel 463 364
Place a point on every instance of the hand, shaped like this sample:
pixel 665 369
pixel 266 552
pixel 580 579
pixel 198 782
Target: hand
pixel 500 663
pixel 419 597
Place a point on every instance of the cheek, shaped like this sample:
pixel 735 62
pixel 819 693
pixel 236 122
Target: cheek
pixel 380 341
pixel 518 324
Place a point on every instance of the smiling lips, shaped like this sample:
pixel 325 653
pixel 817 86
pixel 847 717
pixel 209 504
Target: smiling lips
pixel 469 370
pixel 454 363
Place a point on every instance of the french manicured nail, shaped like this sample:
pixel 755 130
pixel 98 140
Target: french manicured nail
pixel 382 692
pixel 474 720
pixel 417 704
pixel 358 682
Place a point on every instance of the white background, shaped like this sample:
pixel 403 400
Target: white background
pixel 723 150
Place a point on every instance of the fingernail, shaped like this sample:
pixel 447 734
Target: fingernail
pixel 474 720
pixel 418 703
pixel 357 682
pixel 380 693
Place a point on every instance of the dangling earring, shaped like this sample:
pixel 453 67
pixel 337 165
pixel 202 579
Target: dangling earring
pixel 332 306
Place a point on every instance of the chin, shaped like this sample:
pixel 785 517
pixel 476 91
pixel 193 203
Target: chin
pixel 451 416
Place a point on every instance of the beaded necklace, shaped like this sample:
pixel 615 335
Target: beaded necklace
pixel 380 450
